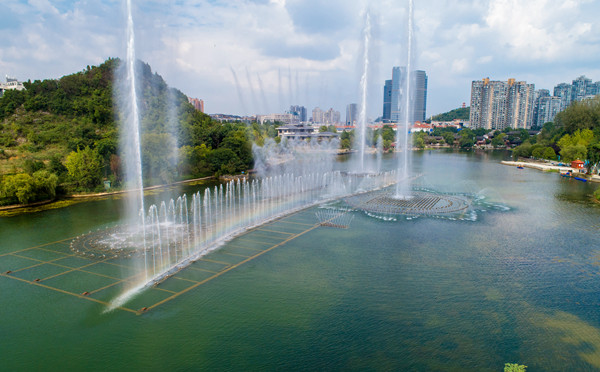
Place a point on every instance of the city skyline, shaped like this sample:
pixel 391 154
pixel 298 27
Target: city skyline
pixel 516 104
pixel 308 53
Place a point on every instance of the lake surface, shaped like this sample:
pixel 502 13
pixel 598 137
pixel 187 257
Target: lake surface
pixel 520 285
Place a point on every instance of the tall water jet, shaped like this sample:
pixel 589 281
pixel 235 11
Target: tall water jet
pixel 290 87
pixel 379 148
pixel 265 103
pixel 362 117
pixel 173 130
pixel 403 133
pixel 238 88
pixel 168 236
pixel 280 89
pixel 130 122
pixel 253 97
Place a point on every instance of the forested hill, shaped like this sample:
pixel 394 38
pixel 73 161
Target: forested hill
pixel 62 135
pixel 459 113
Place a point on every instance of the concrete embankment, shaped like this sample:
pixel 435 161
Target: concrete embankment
pixel 547 167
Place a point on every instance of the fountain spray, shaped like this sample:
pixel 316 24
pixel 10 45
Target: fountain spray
pixel 133 163
pixel 362 117
pixel 403 184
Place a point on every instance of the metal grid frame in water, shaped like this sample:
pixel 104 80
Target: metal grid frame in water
pixel 100 278
pixel 419 203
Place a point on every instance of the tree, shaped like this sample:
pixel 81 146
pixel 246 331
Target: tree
pixel 418 140
pixel 575 146
pixel 31 166
pixel 239 144
pixel 466 143
pixel 323 128
pixel 346 139
pixel 573 152
pixel 115 166
pixel 224 161
pixel 466 140
pixel 514 367
pixel 272 131
pixel 345 143
pixel 45 184
pixel 18 187
pixel 523 151
pixel 498 140
pixel 158 157
pixel 549 153
pixel 524 134
pixel 459 113
pixel 448 137
pixel 579 115
pixel 84 167
pixel 538 153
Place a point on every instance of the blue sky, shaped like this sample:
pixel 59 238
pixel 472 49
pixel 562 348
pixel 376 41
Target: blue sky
pixel 307 52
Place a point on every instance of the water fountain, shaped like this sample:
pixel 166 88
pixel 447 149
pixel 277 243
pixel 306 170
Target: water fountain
pixel 362 117
pixel 403 133
pixel 292 175
pixel 402 200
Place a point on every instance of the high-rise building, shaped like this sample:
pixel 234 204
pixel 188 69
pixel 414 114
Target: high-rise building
pixel 594 89
pixel 499 105
pixel 197 103
pixel 420 86
pixel 580 88
pixel 351 114
pixel 299 112
pixel 521 103
pixel 387 101
pixel 565 92
pixel 318 115
pixel 394 93
pixel 398 85
pixel 548 107
pixel 539 94
pixel 332 116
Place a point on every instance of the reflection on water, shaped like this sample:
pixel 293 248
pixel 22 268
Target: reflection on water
pixel 423 294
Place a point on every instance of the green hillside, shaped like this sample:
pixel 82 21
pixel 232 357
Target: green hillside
pixel 62 135
pixel 459 113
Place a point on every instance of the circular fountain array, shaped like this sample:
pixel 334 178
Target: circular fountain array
pixel 419 203
pixel 117 241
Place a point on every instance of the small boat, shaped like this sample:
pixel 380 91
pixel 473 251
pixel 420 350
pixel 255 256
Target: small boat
pixel 519 167
pixel 580 179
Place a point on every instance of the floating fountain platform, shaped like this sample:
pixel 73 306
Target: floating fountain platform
pixel 126 241
pixel 418 203
pixel 113 242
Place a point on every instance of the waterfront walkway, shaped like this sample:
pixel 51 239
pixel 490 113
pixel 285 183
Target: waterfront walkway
pixel 547 167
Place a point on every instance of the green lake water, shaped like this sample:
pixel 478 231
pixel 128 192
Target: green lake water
pixel 520 285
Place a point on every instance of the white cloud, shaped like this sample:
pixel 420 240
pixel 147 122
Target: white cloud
pixel 538 29
pixel 460 65
pixel 485 59
pixel 314 45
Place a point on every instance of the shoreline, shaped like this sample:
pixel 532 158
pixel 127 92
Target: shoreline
pixel 81 197
pixel 548 168
pixel 101 194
